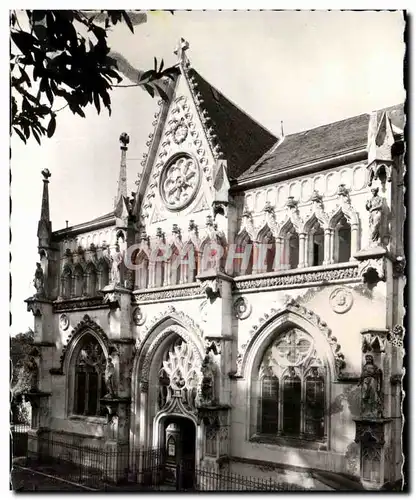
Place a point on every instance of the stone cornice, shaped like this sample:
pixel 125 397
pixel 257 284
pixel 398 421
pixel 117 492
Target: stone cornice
pixel 298 277
pixel 168 293
pixel 79 304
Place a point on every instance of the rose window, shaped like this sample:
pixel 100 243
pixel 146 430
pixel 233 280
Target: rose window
pixel 180 182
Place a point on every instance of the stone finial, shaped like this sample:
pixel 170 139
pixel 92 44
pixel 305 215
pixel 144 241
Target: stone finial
pixel 291 202
pixel 175 229
pixel 46 174
pixel 180 50
pixel 44 224
pixel 124 140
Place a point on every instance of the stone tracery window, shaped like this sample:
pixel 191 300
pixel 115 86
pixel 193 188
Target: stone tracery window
pixel 179 374
pixel 292 386
pixel 89 386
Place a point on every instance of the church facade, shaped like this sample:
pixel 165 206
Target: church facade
pixel 244 308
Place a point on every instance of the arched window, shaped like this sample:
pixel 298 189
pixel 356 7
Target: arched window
pixel 292 387
pixel 174 266
pixel 89 386
pixel 189 266
pixel 316 245
pixel 102 274
pixel 290 241
pixel 342 240
pixel 159 268
pixel 91 279
pixel 66 282
pixel 79 285
pixel 243 255
pixel 141 263
pixel 266 252
pixel 211 255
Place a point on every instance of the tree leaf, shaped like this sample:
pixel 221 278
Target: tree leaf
pixel 97 102
pixel 51 126
pixel 127 19
pixel 19 133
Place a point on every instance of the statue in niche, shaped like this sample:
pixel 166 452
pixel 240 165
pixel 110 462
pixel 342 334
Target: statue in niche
pixel 376 208
pixel 38 281
pixel 208 381
pixel 109 378
pixel 116 260
pixel 371 389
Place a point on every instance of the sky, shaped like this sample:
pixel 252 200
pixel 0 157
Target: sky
pixel 303 68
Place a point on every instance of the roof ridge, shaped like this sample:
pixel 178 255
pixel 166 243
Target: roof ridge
pixel 394 106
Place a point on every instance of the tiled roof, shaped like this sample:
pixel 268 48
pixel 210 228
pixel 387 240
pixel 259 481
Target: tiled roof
pixel 242 140
pixel 319 143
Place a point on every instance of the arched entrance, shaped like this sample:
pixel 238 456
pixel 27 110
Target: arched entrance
pixel 165 381
pixel 179 436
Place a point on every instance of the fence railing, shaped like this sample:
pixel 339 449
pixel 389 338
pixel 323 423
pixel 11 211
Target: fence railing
pixel 102 468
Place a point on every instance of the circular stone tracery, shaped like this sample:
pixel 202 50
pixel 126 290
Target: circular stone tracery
pixel 179 182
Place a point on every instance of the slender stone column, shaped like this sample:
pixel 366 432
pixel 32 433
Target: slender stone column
pixel 302 250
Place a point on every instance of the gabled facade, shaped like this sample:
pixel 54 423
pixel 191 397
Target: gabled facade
pixel 244 309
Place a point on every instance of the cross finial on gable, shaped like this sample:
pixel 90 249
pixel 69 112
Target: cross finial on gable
pixel 180 50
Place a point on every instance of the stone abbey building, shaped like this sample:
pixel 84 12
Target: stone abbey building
pixel 243 309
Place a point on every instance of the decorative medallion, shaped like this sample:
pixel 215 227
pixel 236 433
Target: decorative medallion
pixel 179 182
pixel 341 300
pixel 139 317
pixel 64 322
pixel 242 309
pixel 180 133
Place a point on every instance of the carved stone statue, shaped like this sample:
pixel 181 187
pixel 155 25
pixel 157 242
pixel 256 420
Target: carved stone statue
pixel 109 378
pixel 208 381
pixel 38 281
pixel 376 208
pixel 371 389
pixel 30 374
pixel 116 260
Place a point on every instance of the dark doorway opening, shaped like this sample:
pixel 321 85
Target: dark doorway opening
pixel 180 436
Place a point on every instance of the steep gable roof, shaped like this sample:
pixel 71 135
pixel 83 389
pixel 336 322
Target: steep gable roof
pixel 319 143
pixel 242 140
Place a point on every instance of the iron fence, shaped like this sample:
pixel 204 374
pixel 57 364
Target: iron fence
pixel 19 439
pixel 102 469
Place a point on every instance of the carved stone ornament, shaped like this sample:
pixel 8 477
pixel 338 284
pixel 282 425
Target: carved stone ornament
pixel 242 308
pixel 139 317
pixel 371 389
pixel 64 322
pixel 38 281
pixel 180 133
pixel 396 336
pixel 298 278
pixel 374 340
pixel 372 270
pixel 179 182
pixel 211 288
pixel 341 300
